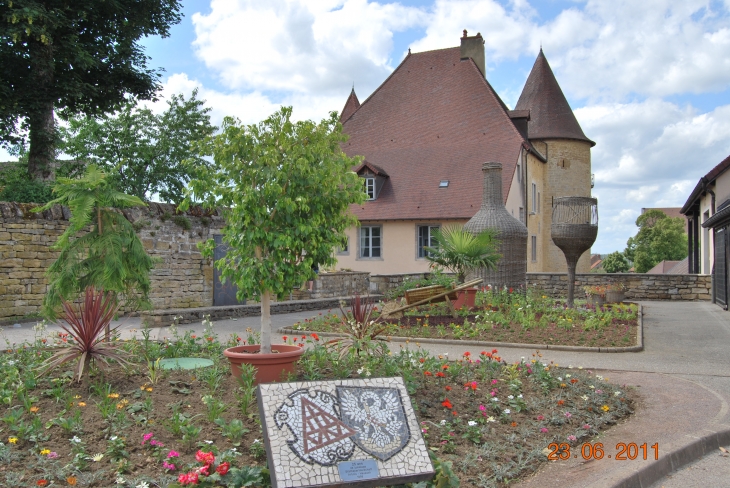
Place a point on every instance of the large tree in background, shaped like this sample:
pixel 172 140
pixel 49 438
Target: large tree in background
pixel 73 56
pixel 143 152
pixel 659 238
pixel 616 262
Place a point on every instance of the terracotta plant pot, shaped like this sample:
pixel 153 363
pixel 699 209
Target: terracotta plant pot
pixel 270 368
pixel 465 297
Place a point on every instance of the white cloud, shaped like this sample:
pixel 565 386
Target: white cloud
pixel 301 46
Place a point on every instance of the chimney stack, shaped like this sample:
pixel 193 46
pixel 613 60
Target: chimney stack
pixel 473 47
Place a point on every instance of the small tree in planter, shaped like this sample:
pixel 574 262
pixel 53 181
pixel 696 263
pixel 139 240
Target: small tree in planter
pixel 284 188
pixel 461 252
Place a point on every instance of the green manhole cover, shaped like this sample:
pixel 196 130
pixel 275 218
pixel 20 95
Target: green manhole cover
pixel 185 363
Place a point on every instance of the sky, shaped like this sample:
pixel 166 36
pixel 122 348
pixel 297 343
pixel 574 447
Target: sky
pixel 649 81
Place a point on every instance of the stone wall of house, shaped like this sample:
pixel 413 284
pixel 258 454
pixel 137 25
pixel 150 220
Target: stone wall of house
pixel 638 286
pixel 340 284
pixel 379 284
pixel 181 279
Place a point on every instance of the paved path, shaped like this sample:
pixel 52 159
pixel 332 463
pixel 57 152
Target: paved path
pixel 682 377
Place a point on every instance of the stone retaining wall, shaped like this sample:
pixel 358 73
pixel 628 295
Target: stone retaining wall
pixel 638 286
pixel 340 284
pixel 181 279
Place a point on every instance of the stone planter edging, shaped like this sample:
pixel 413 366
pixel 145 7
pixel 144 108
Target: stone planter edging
pixel 556 347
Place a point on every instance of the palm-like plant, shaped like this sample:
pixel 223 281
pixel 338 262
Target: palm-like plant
pixel 460 251
pixel 85 326
pixel 110 256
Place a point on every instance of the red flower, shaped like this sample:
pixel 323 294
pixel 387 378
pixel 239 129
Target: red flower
pixel 284 338
pixel 210 339
pixel 422 360
pixel 205 457
pixel 574 381
pixel 295 339
pixel 41 482
pixel 440 374
pixel 238 339
pixel 454 413
pixel 494 351
pixel 188 479
pixel 514 424
pixel 446 403
pixel 467 354
pixel 510 290
pixel 315 336
pixel 304 337
pixel 222 468
pixel 445 366
pixel 448 388
pixel 204 470
pixel 193 336
pixel 427 373
pixel 561 402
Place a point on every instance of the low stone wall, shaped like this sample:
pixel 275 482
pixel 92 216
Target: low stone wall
pixel 162 318
pixel 382 283
pixel 638 286
pixel 340 284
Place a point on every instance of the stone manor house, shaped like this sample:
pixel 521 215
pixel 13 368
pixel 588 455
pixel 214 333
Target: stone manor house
pixel 424 134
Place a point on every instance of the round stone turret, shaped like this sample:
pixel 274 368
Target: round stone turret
pixel 512 234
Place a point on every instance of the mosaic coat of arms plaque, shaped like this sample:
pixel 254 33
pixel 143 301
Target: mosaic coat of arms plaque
pixel 327 433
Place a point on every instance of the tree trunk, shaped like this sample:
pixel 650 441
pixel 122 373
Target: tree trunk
pixel 40 112
pixel 266 322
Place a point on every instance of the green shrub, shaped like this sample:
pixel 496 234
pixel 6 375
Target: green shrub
pixel 16 185
pixel 182 221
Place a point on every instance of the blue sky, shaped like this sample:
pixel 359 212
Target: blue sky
pixel 649 81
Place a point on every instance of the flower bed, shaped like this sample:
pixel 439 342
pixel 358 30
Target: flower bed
pixel 486 422
pixel 511 318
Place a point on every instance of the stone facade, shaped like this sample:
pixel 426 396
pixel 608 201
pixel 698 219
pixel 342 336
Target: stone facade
pixel 340 284
pixel 638 286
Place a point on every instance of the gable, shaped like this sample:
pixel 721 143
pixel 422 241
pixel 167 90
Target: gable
pixel 435 118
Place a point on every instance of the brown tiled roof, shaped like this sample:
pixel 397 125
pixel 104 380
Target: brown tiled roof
pixel 664 267
pixel 351 105
pixel 377 170
pixel 699 189
pixel 434 118
pixel 550 114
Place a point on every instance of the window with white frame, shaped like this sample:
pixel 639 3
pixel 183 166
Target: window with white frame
pixel 370 188
pixel 534 197
pixel 370 241
pixel 534 248
pixel 426 239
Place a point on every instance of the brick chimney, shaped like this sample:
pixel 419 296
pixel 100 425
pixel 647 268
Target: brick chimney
pixel 473 47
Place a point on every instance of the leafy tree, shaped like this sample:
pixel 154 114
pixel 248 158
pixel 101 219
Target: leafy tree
pixel 659 238
pixel 143 152
pixel 284 188
pixel 16 185
pixel 109 257
pixel 78 56
pixel 616 262
pixel 460 251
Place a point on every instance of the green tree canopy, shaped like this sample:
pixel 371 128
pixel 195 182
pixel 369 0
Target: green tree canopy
pixel 616 262
pixel 109 257
pixel 460 251
pixel 284 188
pixel 78 56
pixel 143 152
pixel 659 238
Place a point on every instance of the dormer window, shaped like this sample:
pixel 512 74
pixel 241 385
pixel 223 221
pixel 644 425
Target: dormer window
pixel 370 187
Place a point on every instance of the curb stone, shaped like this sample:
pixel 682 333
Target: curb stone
pixel 668 463
pixel 427 340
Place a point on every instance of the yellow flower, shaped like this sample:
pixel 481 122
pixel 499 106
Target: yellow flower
pixel 34 409
pixel 605 408
pixel 122 404
pixel 13 440
pixel 45 451
pixel 77 397
pixel 563 385
pixel 82 404
pixel 71 480
pixel 148 389
pixel 113 395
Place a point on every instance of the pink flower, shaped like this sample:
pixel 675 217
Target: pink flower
pixel 205 457
pixel 482 408
pixel 173 454
pixel 188 479
pixel 156 443
pixel 586 426
pixel 168 466
pixel 572 438
pixel 568 414
pixel 544 430
pixel 540 417
pixel 147 437
pixel 52 455
pixel 494 382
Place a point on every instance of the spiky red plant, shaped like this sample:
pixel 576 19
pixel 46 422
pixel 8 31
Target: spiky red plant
pixel 86 325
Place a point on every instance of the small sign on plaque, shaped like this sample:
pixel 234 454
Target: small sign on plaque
pixel 325 433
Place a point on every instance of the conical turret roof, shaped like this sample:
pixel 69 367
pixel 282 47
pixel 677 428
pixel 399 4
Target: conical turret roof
pixel 550 114
pixel 351 105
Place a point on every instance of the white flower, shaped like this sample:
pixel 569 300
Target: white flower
pixel 511 397
pixel 519 396
pixel 255 441
pixel 560 378
pixel 113 438
pixel 75 439
pixel 570 366
pixel 120 480
pixel 208 442
pixel 142 484
pixel 97 457
pixel 599 377
pixel 585 398
pixel 507 411
pixel 490 419
pixel 567 376
pixel 471 423
pixel 495 399
pixel 443 422
pixel 580 367
pixel 616 393
pixel 592 387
